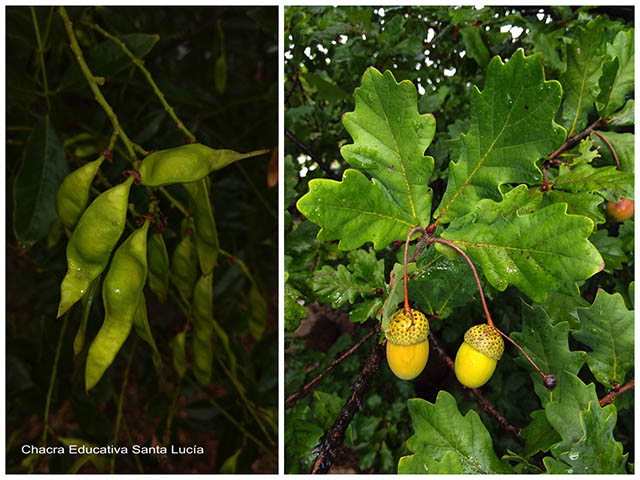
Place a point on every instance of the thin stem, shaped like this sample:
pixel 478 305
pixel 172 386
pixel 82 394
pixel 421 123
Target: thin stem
pixel 140 64
pixel 229 417
pixel 407 308
pixel 475 274
pixel 52 380
pixel 116 431
pixel 293 398
pixel 617 391
pixel 91 80
pixel 571 140
pixel 257 192
pixel 172 411
pixel 548 380
pixel 41 57
pixel 613 150
pixel 174 202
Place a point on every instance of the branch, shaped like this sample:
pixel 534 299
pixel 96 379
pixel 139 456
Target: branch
pixel 571 140
pixel 617 391
pixel 486 405
pixel 333 438
pixel 289 134
pixel 293 398
pixel 91 80
pixel 291 89
pixel 613 150
pixel 140 64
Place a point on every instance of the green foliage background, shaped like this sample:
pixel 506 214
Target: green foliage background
pixel 561 320
pixel 230 103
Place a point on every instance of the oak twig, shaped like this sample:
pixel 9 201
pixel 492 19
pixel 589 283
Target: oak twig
pixel 305 149
pixel 618 390
pixel 330 443
pixel 571 140
pixel 486 405
pixel 309 387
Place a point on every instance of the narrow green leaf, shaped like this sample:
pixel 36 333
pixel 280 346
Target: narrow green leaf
pixel 585 55
pixel 441 428
pixel 511 128
pixel 607 328
pixel 37 183
pixel 179 355
pixel 220 76
pixel 548 347
pixel 202 308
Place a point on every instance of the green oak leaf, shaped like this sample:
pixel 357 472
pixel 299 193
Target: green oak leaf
pixel 548 347
pixel 511 128
pixel 564 308
pixel 355 211
pixel 293 311
pixel 608 181
pixel 395 294
pixel 539 434
pixel 607 328
pixel 363 277
pixel 625 116
pixel 422 464
pixel 611 248
pixel 587 445
pixel 545 251
pixel 363 311
pixel 301 436
pixel 621 51
pixel 623 144
pixel 585 55
pixel 390 138
pixel 441 284
pixel 440 428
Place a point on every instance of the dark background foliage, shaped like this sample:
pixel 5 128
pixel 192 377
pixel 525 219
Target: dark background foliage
pixel 444 51
pixel 243 117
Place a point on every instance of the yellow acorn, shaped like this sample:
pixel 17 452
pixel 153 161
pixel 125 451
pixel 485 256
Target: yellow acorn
pixel 407 343
pixel 478 355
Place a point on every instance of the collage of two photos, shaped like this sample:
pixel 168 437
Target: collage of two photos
pixel 288 240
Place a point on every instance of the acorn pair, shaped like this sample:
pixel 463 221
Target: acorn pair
pixel 408 349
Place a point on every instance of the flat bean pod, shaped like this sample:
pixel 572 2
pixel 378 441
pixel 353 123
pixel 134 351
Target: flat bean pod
pixel 179 356
pixel 158 266
pixel 121 292
pixel 95 236
pixel 143 329
pixel 184 267
pixel 202 307
pixel 207 244
pixel 73 194
pixel 187 163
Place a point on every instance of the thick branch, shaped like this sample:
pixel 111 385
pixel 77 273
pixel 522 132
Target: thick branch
pixel 309 387
pixel 486 405
pixel 333 438
pixel 571 140
pixel 304 148
pixel 617 391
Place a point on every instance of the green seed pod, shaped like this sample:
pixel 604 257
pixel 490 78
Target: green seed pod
pixel 187 163
pixel 73 194
pixel 141 325
pixel 121 292
pixel 202 307
pixel 87 302
pixel 206 235
pixel 184 267
pixel 179 356
pixel 95 236
pixel 158 266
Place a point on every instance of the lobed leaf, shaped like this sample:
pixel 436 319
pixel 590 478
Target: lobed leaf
pixel 511 128
pixel 440 428
pixel 607 328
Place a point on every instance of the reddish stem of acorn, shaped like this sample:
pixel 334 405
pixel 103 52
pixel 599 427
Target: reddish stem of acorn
pixel 548 380
pixel 407 308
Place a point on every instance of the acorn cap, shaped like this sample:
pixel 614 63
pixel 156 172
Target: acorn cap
pixel 485 339
pixel 407 328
